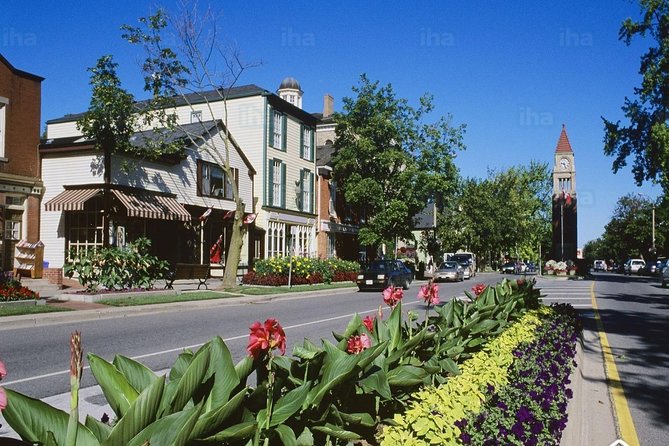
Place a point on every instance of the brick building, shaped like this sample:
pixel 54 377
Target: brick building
pixel 20 186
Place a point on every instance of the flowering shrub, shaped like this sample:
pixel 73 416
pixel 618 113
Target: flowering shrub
pixel 550 265
pixel 11 290
pixel 429 293
pixel 357 343
pixel 478 289
pixel 304 270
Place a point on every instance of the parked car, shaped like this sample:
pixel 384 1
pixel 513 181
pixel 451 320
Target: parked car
pixel 450 272
pixel 467 269
pixel 632 266
pixel 664 277
pixel 381 274
pixel 599 265
pixel 508 268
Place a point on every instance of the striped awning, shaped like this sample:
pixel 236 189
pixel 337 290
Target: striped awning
pixel 71 199
pixel 149 205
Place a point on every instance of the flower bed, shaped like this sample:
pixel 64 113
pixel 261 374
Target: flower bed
pixel 274 271
pixel 12 291
pixel 512 392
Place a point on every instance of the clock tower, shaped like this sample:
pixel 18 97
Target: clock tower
pixel 564 201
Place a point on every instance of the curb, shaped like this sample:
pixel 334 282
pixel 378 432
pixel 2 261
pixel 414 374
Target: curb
pixel 42 319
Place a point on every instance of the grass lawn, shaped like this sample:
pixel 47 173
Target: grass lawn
pixel 251 290
pixel 220 294
pixel 19 310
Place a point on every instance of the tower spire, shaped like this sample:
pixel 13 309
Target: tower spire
pixel 563 142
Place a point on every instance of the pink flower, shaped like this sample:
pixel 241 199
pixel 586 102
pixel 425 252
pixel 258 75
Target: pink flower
pixel 429 293
pixel 478 289
pixel 3 370
pixel 392 295
pixel 266 337
pixel 3 399
pixel 357 344
pixel 368 321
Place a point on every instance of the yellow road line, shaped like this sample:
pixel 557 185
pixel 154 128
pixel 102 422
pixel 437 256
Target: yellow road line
pixel 623 416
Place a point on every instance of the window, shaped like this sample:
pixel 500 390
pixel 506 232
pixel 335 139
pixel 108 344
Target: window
pixel 277 183
pixel 84 230
pixel 3 126
pixel 277 130
pixel 306 191
pixel 307 143
pixel 276 239
pixel 195 116
pixel 564 184
pixel 213 181
pixel 12 230
pixel 333 199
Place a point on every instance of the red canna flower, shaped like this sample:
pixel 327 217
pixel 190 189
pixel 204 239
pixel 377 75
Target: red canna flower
pixel 357 344
pixel 266 337
pixel 478 289
pixel 3 370
pixel 520 282
pixel 3 399
pixel 368 321
pixel 429 293
pixel 392 295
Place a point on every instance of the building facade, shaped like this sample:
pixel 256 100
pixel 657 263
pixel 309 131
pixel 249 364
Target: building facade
pixel 276 140
pixel 20 186
pixel 564 201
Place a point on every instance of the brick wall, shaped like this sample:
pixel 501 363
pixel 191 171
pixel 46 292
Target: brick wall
pixel 54 276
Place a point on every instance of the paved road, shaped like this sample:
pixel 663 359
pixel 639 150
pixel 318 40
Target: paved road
pixel 634 311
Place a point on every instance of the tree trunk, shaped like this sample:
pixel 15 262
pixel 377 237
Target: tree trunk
pixel 235 249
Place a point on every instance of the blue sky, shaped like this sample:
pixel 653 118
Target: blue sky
pixel 514 72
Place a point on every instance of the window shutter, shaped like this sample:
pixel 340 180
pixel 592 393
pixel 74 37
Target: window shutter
pixel 199 187
pixel 271 127
pixel 302 154
pixel 300 193
pixel 283 185
pixel 270 183
pixel 310 206
pixel 311 145
pixel 284 132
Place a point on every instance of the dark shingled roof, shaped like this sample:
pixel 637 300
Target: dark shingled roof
pixel 324 155
pixel 204 97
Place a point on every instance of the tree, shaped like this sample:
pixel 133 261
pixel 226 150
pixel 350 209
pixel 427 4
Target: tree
pixel 388 162
pixel 629 232
pixel 185 72
pixel 646 137
pixel 506 213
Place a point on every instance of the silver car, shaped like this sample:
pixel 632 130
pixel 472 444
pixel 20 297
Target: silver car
pixel 449 272
pixel 664 275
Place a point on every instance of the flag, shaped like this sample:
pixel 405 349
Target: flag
pixel 250 218
pixel 206 214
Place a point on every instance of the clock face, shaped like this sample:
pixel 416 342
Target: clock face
pixel 564 164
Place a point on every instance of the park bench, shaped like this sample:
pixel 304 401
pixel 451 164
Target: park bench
pixel 188 271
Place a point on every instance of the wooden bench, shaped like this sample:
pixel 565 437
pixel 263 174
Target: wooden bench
pixel 188 271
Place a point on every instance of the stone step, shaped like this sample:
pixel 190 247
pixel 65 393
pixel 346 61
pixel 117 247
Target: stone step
pixel 41 286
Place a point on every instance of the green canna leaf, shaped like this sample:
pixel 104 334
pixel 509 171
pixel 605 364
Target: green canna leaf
pixel 34 420
pixel 119 392
pixel 137 374
pixel 286 435
pixel 337 432
pixel 288 404
pixel 98 428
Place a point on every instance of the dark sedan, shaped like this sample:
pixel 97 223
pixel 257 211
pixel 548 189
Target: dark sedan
pixel 380 274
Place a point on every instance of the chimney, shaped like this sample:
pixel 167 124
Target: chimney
pixel 328 106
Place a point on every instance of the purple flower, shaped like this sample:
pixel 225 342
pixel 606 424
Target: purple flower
pixel 518 430
pixel 465 438
pixel 461 424
pixel 502 405
pixel 523 414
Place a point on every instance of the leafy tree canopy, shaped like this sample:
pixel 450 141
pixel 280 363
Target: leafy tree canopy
pixel 646 137
pixel 389 161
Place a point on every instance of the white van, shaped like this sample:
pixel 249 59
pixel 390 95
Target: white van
pixel 632 266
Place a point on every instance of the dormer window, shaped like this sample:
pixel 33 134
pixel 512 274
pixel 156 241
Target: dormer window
pixel 195 116
pixel 3 124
